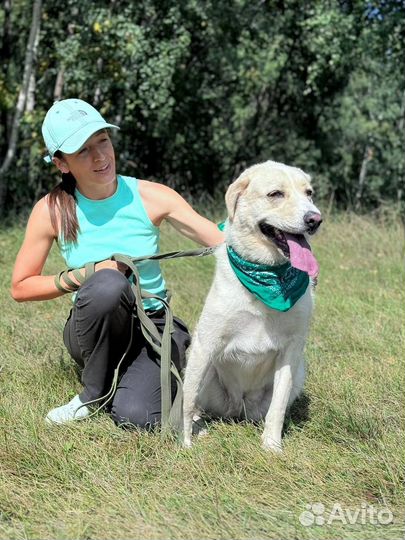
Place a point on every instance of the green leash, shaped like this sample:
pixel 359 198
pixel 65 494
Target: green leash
pixel 171 416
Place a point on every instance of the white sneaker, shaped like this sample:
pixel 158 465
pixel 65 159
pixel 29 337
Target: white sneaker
pixel 68 412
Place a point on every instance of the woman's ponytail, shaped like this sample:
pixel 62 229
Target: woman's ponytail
pixel 62 208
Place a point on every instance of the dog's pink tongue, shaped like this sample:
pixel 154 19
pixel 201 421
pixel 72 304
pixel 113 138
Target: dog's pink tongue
pixel 301 256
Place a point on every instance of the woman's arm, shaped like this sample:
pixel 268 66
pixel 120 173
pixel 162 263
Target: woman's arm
pixel 162 202
pixel 27 283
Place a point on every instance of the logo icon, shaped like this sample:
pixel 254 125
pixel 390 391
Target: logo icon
pixel 76 115
pixel 312 515
pixel 315 514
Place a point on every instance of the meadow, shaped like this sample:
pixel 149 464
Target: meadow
pixel 341 472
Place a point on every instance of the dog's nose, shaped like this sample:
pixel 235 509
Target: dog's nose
pixel 312 220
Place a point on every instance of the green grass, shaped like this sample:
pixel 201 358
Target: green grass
pixel 344 439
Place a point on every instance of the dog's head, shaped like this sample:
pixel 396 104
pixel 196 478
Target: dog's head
pixel 271 214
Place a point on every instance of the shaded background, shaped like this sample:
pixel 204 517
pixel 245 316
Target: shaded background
pixel 202 89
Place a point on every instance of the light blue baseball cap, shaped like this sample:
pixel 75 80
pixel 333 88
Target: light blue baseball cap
pixel 68 124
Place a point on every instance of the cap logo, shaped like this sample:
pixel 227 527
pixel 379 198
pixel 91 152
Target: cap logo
pixel 76 115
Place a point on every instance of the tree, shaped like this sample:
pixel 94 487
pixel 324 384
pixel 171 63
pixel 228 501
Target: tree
pixel 22 98
pixel 203 89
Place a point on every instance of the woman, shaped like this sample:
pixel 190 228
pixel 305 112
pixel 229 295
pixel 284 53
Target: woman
pixel 92 214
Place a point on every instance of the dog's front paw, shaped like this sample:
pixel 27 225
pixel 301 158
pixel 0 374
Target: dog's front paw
pixel 187 442
pixel 269 443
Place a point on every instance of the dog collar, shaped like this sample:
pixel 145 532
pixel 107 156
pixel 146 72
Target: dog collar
pixel 278 287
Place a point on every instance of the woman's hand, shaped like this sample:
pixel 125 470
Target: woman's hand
pixel 113 265
pixel 102 265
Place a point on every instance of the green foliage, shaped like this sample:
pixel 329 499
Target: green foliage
pixel 203 89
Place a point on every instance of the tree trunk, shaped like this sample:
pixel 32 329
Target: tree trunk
pixel 400 191
pixel 5 55
pixel 401 128
pixel 60 77
pixel 7 38
pixel 98 96
pixel 368 156
pixel 29 108
pixel 22 98
pixel 30 102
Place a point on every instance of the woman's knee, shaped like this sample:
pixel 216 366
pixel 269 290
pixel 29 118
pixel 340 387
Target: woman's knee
pixel 104 291
pixel 134 415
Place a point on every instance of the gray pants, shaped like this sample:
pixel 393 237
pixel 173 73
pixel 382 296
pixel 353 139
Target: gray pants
pixel 96 335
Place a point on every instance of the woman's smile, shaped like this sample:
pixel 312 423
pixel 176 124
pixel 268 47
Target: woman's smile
pixel 104 169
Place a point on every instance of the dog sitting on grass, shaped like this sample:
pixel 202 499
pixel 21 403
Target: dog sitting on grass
pixel 246 358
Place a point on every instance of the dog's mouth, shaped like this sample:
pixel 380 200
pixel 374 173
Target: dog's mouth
pixel 293 246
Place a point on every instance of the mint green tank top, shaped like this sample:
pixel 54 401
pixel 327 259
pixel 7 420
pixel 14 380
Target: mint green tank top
pixel 118 224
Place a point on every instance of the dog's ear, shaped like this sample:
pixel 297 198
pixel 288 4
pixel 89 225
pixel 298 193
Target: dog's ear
pixel 233 193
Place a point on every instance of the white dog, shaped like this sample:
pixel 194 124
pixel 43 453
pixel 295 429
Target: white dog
pixel 246 356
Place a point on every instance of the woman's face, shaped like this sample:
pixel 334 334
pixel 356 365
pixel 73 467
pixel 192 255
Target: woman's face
pixel 93 165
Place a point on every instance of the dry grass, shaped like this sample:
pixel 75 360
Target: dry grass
pixel 343 439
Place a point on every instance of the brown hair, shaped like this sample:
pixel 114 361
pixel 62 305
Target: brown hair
pixel 62 204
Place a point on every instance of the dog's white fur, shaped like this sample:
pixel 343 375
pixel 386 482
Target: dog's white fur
pixel 246 360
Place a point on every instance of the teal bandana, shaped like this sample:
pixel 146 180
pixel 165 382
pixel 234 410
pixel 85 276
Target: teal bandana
pixel 279 287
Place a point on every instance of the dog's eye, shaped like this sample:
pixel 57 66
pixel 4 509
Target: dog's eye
pixel 276 194
pixel 309 192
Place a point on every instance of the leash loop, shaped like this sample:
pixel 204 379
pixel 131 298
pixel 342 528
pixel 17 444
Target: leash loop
pixel 171 415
